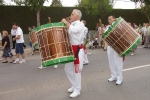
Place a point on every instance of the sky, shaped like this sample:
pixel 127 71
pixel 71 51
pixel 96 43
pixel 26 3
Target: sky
pixel 119 4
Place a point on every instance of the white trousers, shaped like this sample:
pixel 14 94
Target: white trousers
pixel 75 78
pixel 115 63
pixel 85 59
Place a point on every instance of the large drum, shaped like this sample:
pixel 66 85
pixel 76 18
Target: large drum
pixel 122 37
pixel 34 39
pixel 54 44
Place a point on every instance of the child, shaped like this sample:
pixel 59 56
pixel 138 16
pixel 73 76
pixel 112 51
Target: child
pixel 6 47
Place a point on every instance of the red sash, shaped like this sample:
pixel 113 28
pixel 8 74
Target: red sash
pixel 77 61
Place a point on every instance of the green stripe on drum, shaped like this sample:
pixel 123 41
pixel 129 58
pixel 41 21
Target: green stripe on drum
pixel 49 25
pixel 56 61
pixel 132 47
pixel 111 28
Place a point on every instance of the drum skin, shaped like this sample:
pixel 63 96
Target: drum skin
pixel 122 37
pixel 54 44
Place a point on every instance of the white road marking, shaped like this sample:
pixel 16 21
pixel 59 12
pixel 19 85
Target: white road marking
pixel 136 67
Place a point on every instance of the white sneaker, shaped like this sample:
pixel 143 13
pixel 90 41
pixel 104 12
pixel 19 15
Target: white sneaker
pixel 16 61
pixel 112 79
pixel 22 61
pixel 75 94
pixel 55 66
pixel 41 67
pixel 119 82
pixel 70 90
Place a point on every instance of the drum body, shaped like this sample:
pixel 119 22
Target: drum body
pixel 34 40
pixel 54 44
pixel 122 37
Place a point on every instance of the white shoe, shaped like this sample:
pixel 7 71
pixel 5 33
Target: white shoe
pixel 55 66
pixel 75 94
pixel 1 59
pixel 41 67
pixel 16 61
pixel 70 90
pixel 119 82
pixel 112 79
pixel 22 61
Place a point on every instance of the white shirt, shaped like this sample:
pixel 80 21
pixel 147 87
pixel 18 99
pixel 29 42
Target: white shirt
pixel 100 30
pixel 76 32
pixel 13 32
pixel 85 31
pixel 19 32
pixel 107 27
pixel 144 30
pixel 0 36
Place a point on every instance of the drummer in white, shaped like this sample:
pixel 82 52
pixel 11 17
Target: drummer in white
pixel 85 59
pixel 73 69
pixel 115 61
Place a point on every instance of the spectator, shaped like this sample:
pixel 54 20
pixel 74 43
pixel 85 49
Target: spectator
pixel 13 34
pixel 19 44
pixel 6 47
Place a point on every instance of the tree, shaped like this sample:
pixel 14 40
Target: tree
pixel 143 6
pixel 56 3
pixel 1 2
pixel 21 2
pixel 97 7
pixel 37 5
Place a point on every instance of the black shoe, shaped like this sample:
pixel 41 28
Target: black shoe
pixel 12 61
pixel 86 64
pixel 5 62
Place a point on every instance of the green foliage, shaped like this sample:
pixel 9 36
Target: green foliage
pixel 20 2
pixel 36 4
pixel 56 3
pixel 97 7
pixel 26 17
pixel 1 2
pixel 144 7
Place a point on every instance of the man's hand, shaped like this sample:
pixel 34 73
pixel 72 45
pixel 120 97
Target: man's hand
pixel 64 21
pixel 14 39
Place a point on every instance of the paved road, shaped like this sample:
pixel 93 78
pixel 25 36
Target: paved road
pixel 27 82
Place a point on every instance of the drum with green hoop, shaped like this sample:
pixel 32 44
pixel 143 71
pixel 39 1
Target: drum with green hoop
pixel 122 37
pixel 54 44
pixel 33 39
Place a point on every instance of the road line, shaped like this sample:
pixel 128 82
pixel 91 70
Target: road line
pixel 136 67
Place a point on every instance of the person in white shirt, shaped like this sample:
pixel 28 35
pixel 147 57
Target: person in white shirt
pixel 19 44
pixel 13 34
pixel 85 59
pixel 144 31
pixel 115 61
pixel 73 69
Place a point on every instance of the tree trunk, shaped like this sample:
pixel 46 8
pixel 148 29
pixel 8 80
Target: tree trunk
pixel 38 17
